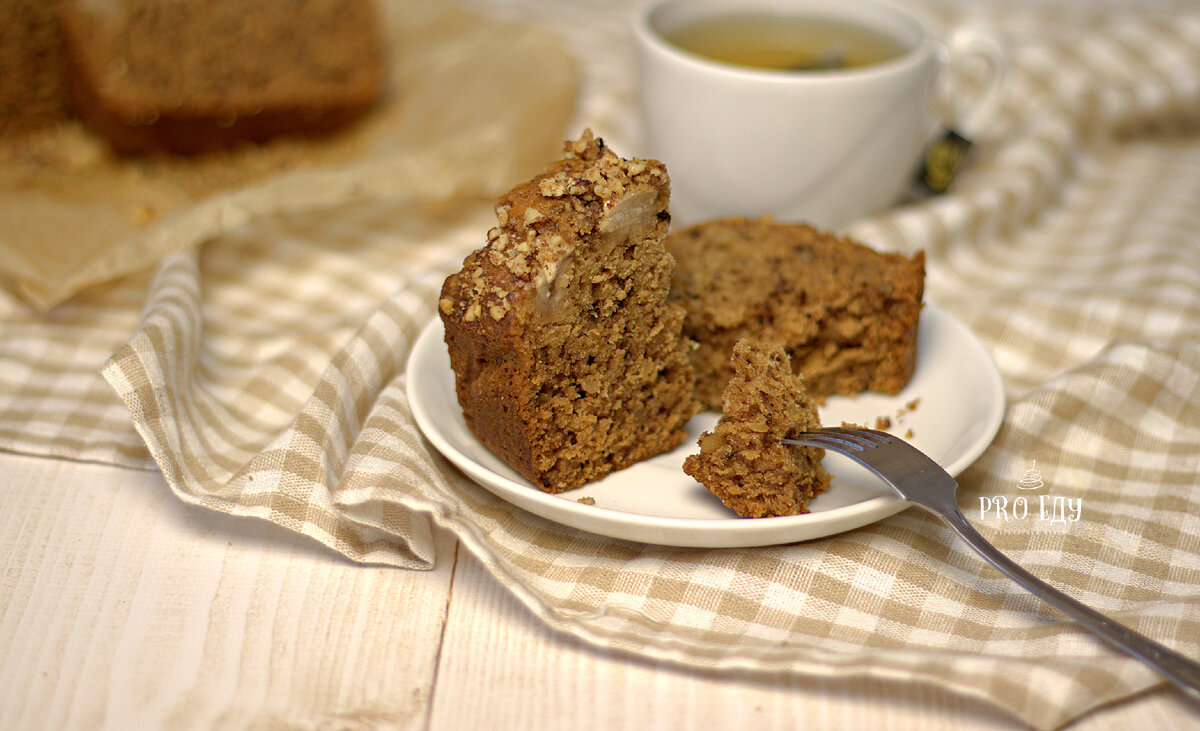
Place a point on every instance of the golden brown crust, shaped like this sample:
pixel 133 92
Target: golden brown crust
pixel 743 460
pixel 846 314
pixel 567 355
pixel 192 77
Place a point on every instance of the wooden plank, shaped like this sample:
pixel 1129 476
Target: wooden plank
pixel 125 608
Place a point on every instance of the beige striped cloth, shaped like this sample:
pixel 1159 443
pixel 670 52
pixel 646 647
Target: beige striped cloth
pixel 265 376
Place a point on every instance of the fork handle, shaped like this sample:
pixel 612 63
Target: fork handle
pixel 1181 671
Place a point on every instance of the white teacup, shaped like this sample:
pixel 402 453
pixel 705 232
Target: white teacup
pixel 822 146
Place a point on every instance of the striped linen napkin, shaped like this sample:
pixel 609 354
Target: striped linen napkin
pixel 266 377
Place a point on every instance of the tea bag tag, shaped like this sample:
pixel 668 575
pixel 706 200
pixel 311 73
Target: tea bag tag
pixel 943 160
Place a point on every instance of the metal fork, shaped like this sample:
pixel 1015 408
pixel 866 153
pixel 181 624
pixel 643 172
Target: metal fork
pixel 920 480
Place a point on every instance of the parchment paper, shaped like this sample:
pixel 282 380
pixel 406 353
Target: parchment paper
pixel 469 107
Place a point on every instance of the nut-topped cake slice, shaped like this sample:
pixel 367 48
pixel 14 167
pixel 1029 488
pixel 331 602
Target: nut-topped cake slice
pixel 568 358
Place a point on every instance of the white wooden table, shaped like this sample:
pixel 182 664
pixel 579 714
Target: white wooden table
pixel 123 608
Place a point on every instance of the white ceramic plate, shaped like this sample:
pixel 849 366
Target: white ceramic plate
pixel 959 404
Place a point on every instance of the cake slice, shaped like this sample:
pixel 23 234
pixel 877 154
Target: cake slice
pixel 846 314
pixel 567 355
pixel 743 460
pixel 192 76
pixel 32 92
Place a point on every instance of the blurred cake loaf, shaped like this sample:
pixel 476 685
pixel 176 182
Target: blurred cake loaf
pixel 32 90
pixel 191 76
pixel 846 314
pixel 567 355
pixel 742 461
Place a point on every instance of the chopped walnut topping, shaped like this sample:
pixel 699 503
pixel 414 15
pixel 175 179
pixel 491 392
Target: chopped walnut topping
pixel 581 145
pixel 560 185
pixel 576 197
pixel 554 187
pixel 446 305
pixel 609 189
pixel 549 269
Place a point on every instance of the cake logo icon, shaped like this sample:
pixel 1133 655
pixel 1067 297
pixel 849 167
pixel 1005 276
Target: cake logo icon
pixel 1032 479
pixel 1052 509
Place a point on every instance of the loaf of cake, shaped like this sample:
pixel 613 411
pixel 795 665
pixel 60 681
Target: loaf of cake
pixel 192 76
pixel 567 354
pixel 743 460
pixel 32 90
pixel 846 314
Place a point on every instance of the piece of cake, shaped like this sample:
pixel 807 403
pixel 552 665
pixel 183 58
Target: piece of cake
pixel 32 91
pixel 567 355
pixel 743 460
pixel 846 314
pixel 193 76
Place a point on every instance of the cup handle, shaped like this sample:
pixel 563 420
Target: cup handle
pixel 946 151
pixel 970 42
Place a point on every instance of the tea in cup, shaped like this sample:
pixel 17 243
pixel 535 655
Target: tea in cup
pixel 813 110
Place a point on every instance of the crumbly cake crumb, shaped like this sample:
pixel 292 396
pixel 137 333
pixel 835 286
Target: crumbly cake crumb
pixel 743 461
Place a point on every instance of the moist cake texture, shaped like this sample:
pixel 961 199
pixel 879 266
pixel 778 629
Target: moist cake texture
pixel 567 355
pixel 846 314
pixel 743 460
pixel 192 76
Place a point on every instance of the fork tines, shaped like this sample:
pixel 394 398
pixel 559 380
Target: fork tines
pixel 840 438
